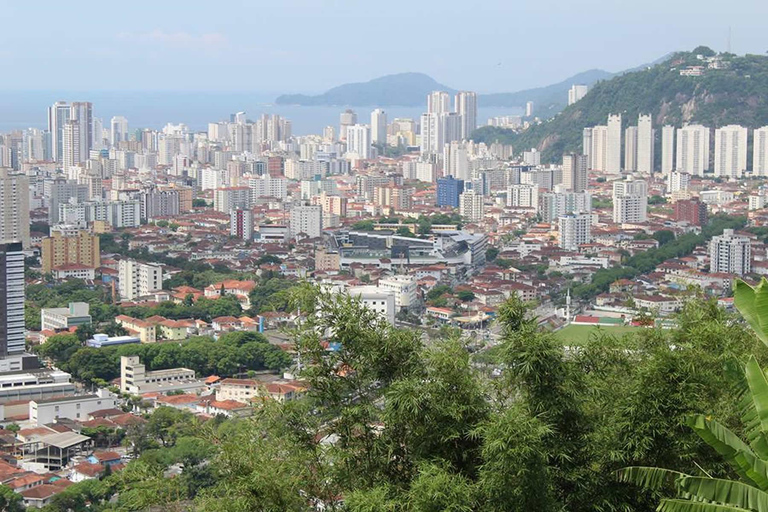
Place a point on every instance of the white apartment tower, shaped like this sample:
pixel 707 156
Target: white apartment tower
pixel 471 206
pixel 645 144
pixel 576 92
pixel 523 196
pixel 379 127
pixel 678 181
pixel 667 149
pixel 730 253
pixel 139 279
pixel 438 102
pixel 574 230
pixel 630 201
pixel 630 149
pixel 359 140
pixel 613 145
pixel 760 152
pixel 599 144
pixel 466 107
pixel 693 149
pixel 71 155
pixel 14 208
pixel 730 151
pixel 307 220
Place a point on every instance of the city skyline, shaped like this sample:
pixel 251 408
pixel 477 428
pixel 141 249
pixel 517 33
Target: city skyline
pixel 171 42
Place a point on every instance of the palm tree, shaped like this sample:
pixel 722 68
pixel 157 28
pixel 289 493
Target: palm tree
pixel 749 459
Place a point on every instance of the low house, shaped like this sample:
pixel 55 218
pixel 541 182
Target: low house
pixel 40 496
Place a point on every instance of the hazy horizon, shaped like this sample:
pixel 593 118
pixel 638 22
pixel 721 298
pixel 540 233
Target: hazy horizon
pixel 309 46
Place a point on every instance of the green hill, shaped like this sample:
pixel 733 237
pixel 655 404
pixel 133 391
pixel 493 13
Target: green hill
pixel 735 94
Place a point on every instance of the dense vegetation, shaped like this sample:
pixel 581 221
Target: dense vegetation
pixel 232 353
pixel 392 425
pixel 735 95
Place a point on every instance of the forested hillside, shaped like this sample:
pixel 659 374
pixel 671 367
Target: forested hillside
pixel 737 93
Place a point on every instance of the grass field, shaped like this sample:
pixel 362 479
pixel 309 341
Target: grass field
pixel 578 334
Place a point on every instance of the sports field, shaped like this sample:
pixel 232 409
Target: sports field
pixel 578 334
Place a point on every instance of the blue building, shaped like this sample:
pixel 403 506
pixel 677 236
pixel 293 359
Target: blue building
pixel 448 191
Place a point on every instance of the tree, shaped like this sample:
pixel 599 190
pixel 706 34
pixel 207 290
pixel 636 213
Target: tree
pixel 10 501
pixel 491 253
pixel 465 296
pixel 199 203
pixel 749 460
pixel 85 332
pixel 664 236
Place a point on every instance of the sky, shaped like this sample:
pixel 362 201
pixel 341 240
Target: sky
pixel 308 46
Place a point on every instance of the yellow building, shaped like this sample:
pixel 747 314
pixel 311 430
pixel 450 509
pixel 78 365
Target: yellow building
pixel 145 331
pixel 79 249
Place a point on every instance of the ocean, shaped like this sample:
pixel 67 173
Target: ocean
pixel 154 109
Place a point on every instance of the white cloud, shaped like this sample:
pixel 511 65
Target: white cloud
pixel 211 40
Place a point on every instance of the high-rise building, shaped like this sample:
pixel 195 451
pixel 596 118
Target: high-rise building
pixel 138 279
pixel 691 211
pixel 346 119
pixel 730 151
pixel 597 153
pixel 586 146
pixel 558 204
pixel 456 160
pixel 118 130
pixel 14 208
pixel 71 151
pixel 466 107
pixel 760 152
pixel 227 199
pixel 12 335
pixel 523 196
pixel 630 201
pixel 678 181
pixel 61 191
pixel 529 109
pixel 574 230
pixel 58 115
pixel 630 149
pixel 730 253
pixel 449 190
pixel 307 220
pixel 576 92
pixel 161 203
pixel 359 140
pixel 379 127
pixel 613 145
pixel 437 130
pixel 471 206
pixel 241 224
pixel 438 102
pixel 645 144
pixel 575 172
pixel 667 149
pixel 693 149
pixel 82 113
pixel 80 249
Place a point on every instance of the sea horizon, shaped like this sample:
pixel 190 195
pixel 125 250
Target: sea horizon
pixel 195 108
